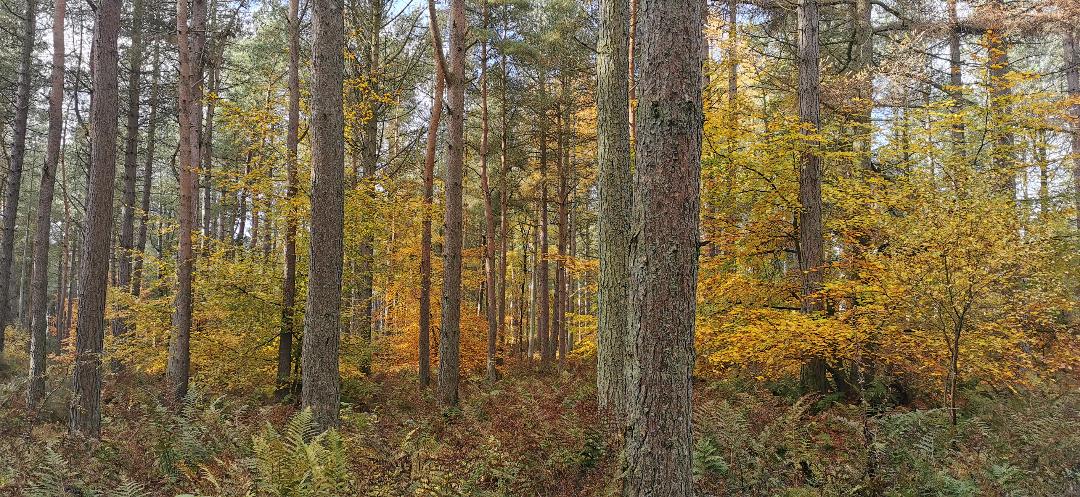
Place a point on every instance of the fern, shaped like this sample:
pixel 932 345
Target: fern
pixel 301 462
pixel 48 479
pixel 128 488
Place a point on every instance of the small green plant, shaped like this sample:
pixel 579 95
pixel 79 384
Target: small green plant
pixel 300 462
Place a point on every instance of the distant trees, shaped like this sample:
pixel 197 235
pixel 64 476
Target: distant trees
pixel 85 412
pixel 319 362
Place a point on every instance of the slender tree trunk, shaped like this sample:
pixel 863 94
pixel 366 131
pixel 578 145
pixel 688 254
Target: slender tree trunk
pixel 39 320
pixel 956 78
pixel 1000 94
pixel 450 332
pixel 811 243
pixel 18 154
pixel 207 150
pixel 320 374
pixel 131 155
pixel 424 345
pixel 288 291
pixel 614 182
pixel 369 156
pixel 489 213
pixel 1072 77
pixel 561 296
pixel 85 413
pixel 543 307
pixel 504 194
pixel 147 177
pixel 664 251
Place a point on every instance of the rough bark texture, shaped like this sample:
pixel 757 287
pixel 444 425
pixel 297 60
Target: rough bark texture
pixel 1072 76
pixel 614 181
pixel 956 78
pixel 321 376
pixel 424 345
pixel 288 291
pixel 542 301
pixel 85 413
pixel 811 244
pixel 450 333
pixel 664 250
pixel 504 194
pixel 1000 94
pixel 131 156
pixel 18 154
pixel 39 286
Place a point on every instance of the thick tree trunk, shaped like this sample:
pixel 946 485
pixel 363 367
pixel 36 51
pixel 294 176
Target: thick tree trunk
pixel 131 155
pixel 18 154
pixel 321 376
pixel 811 243
pixel 663 252
pixel 450 333
pixel 39 320
pixel 614 182
pixel 424 345
pixel 489 212
pixel 288 291
pixel 147 178
pixel 85 413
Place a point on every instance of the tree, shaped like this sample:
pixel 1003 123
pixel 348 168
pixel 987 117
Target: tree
pixel 614 180
pixel 147 175
pixel 18 155
pixel 288 290
pixel 191 36
pixel 319 355
pixel 811 243
pixel 424 340
pixel 1072 76
pixel 489 213
pixel 664 251
pixel 39 286
pixel 85 413
pixel 131 155
pixel 450 332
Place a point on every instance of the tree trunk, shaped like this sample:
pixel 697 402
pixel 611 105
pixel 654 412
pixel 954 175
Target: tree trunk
pixel 321 376
pixel 1000 94
pixel 1072 77
pixel 614 182
pixel 288 291
pixel 663 252
pixel 504 194
pixel 131 155
pixel 18 154
pixel 489 213
pixel 369 156
pixel 956 78
pixel 85 413
pixel 811 243
pixel 147 178
pixel 424 345
pixel 542 304
pixel 39 320
pixel 450 333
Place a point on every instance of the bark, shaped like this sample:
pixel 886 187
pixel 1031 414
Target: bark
pixel 147 177
pixel 504 194
pixel 614 182
pixel 1072 77
pixel 39 320
pixel 1000 94
pixel 369 155
pixel 288 291
pixel 489 213
pixel 424 345
pixel 207 150
pixel 663 251
pixel 191 33
pixel 18 154
pixel 956 78
pixel 320 372
pixel 561 296
pixel 862 65
pixel 131 155
pixel 811 243
pixel 85 412
pixel 450 332
pixel 542 303
pixel 732 54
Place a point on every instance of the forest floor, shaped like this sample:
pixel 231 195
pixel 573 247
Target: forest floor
pixel 532 434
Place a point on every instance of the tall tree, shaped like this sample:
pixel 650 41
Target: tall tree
pixel 190 35
pixel 85 412
pixel 292 138
pixel 321 376
pixel 1072 77
pixel 489 212
pixel 450 332
pixel 147 174
pixel 18 154
pixel 39 321
pixel 542 294
pixel 614 180
pixel 131 155
pixel 424 345
pixel 664 250
pixel 811 250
